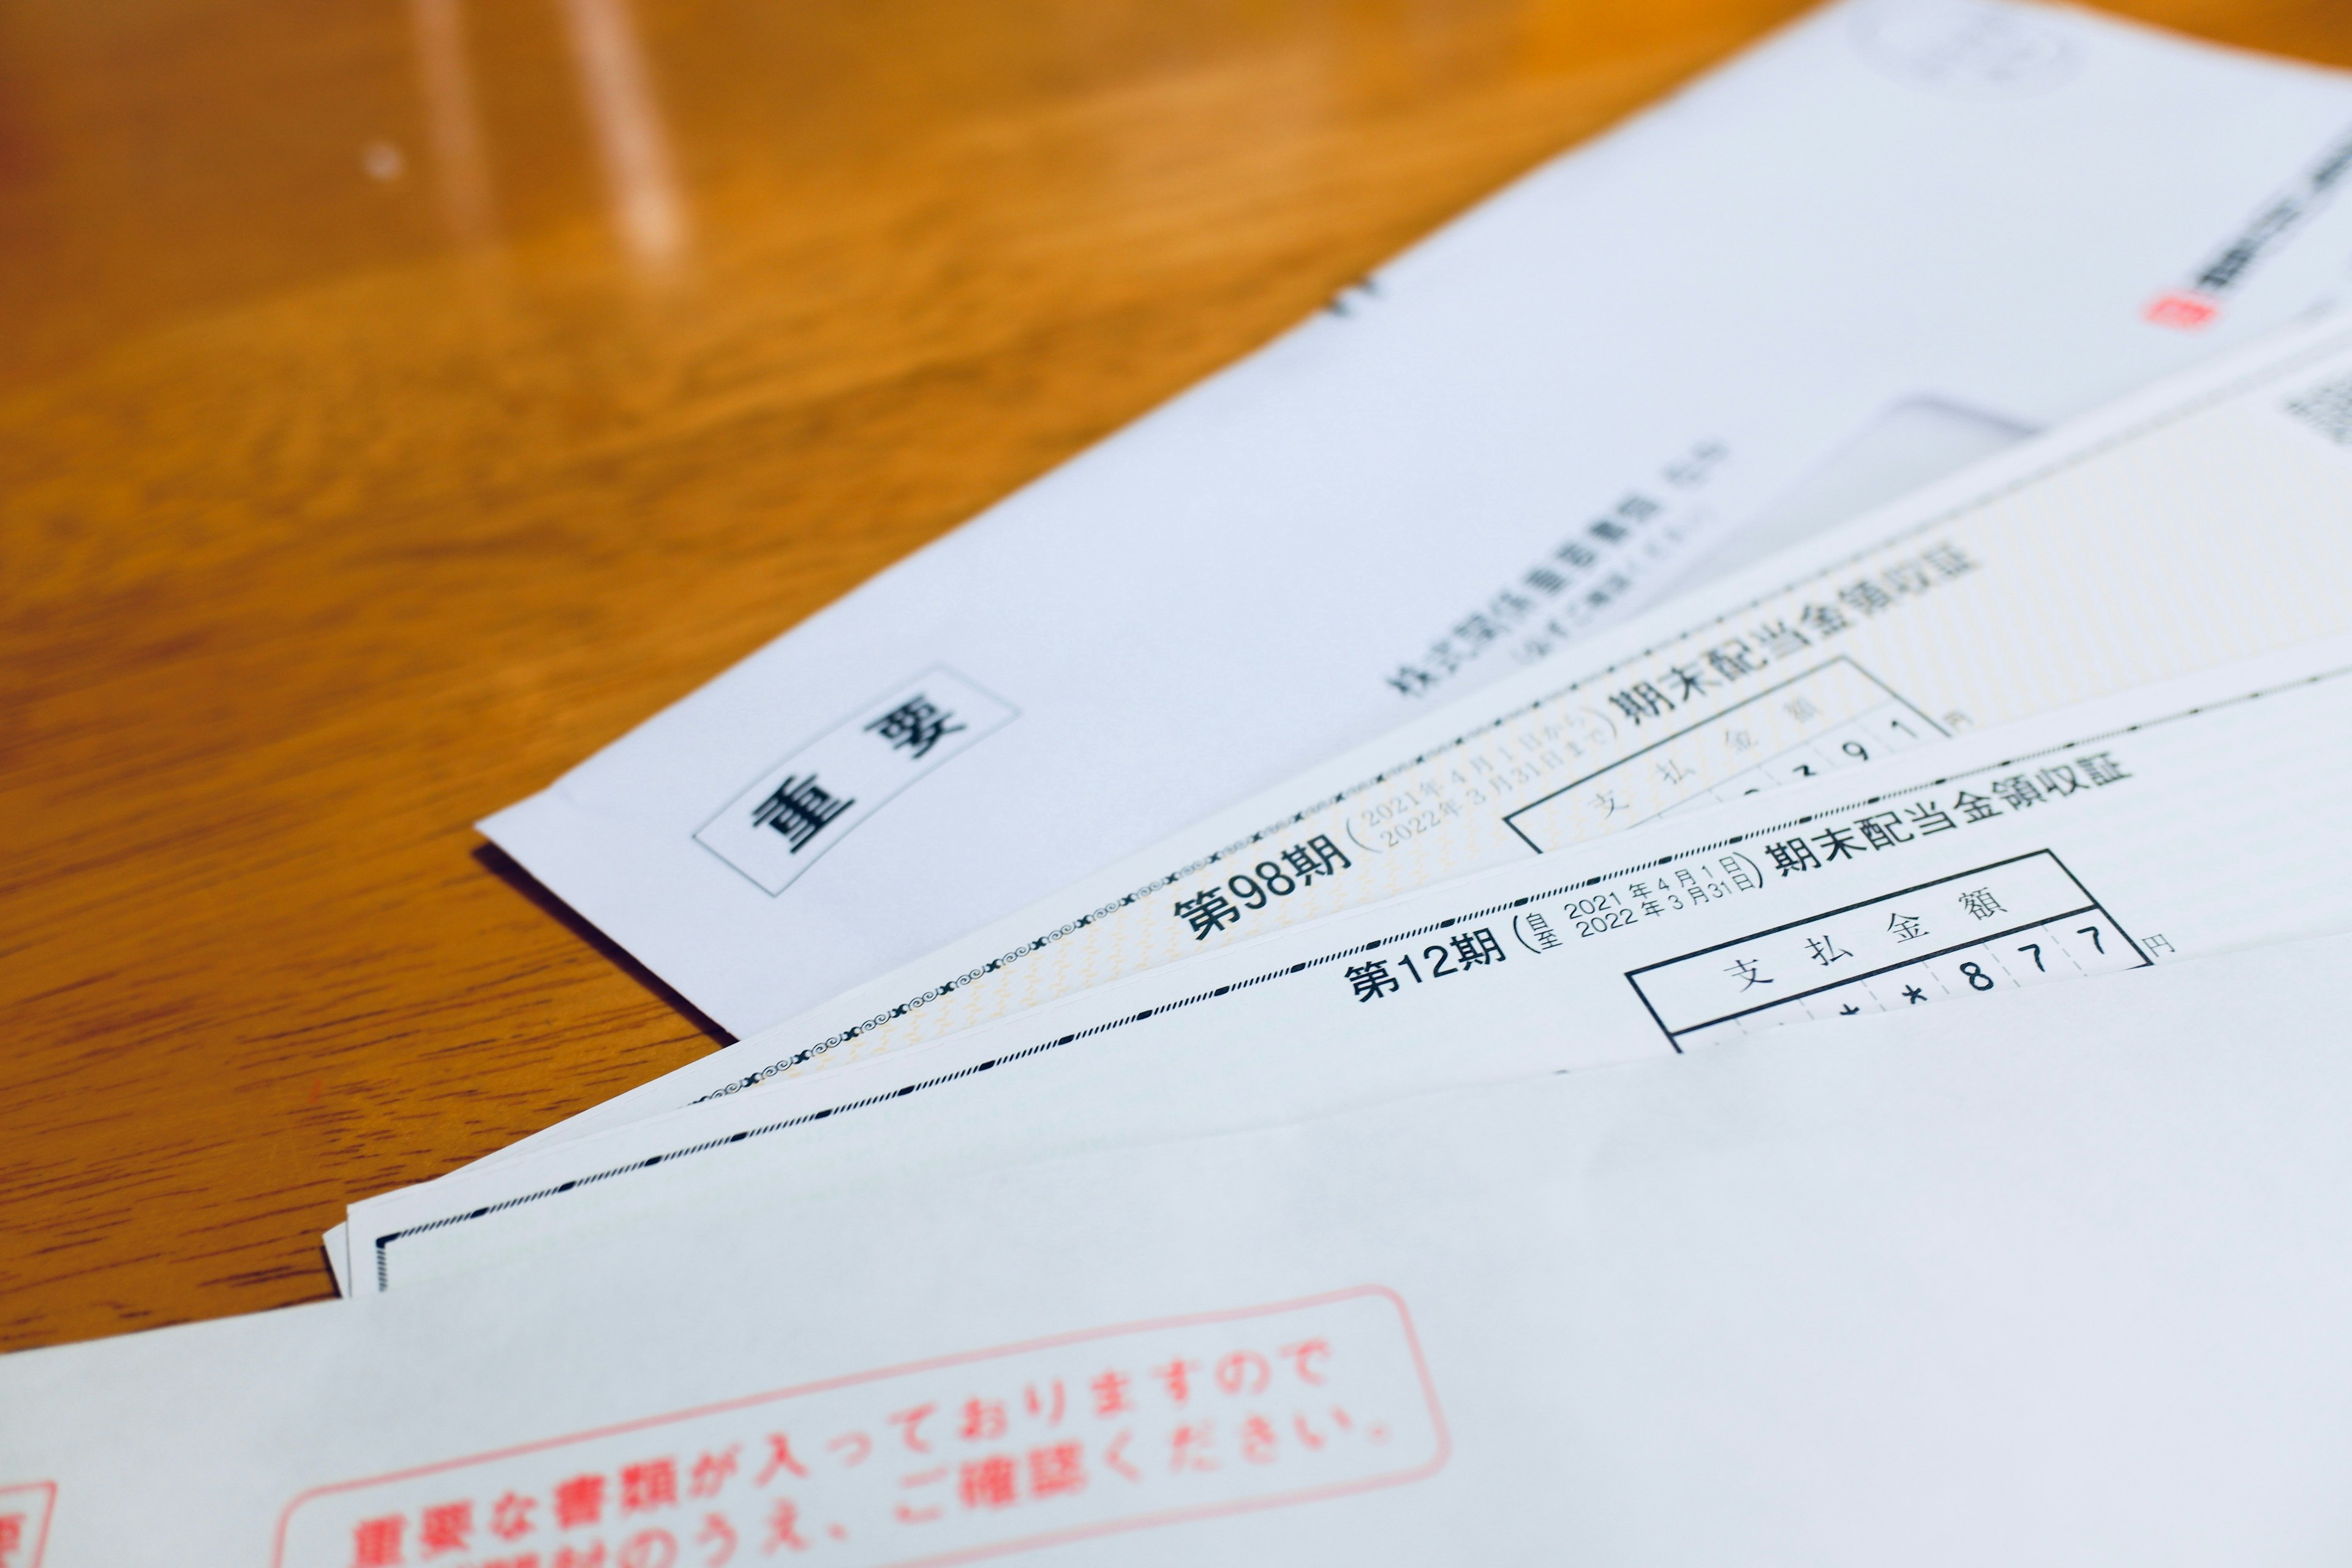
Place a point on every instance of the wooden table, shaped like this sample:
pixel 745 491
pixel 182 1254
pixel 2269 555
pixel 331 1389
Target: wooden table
pixel 400 400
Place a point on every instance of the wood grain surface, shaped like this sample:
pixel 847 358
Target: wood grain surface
pixel 400 400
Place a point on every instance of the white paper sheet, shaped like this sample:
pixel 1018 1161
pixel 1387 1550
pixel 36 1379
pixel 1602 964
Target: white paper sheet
pixel 2058 1280
pixel 2178 820
pixel 1894 235
pixel 2200 521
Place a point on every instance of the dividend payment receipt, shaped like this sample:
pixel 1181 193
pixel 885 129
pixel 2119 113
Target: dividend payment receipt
pixel 2166 822
pixel 2202 522
pixel 1898 235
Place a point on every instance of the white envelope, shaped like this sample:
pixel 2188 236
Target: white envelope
pixel 2060 1280
pixel 1894 237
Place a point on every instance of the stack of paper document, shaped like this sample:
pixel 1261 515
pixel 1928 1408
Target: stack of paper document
pixel 1461 946
pixel 1895 238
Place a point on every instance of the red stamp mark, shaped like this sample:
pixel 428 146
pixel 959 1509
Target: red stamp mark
pixel 25 1523
pixel 939 1461
pixel 2182 313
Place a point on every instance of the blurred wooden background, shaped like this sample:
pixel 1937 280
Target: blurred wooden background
pixel 400 399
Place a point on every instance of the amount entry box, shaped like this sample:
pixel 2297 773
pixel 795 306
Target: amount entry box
pixel 2011 923
pixel 1836 715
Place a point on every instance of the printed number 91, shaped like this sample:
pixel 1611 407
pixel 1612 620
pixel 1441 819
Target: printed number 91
pixel 1275 879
